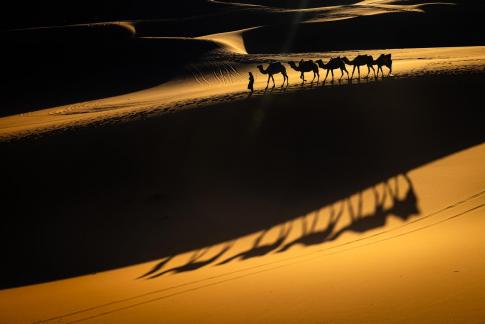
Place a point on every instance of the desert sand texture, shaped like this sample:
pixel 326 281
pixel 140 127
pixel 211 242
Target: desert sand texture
pixel 143 183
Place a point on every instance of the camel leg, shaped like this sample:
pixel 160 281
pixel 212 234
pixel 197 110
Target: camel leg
pixel 373 71
pixel 358 70
pixel 332 74
pixel 368 71
pixel 267 83
pixel 326 77
pixel 342 75
pixel 272 78
pixel 353 70
pixel 314 76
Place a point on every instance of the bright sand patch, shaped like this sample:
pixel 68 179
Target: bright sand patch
pixel 232 40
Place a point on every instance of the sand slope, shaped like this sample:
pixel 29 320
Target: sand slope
pixel 425 270
pixel 222 77
pixel 230 169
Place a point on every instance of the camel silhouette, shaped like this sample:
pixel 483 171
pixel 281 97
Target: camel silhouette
pixel 313 236
pixel 334 63
pixel 274 68
pixel 306 66
pixel 383 60
pixel 257 249
pixel 359 61
pixel 193 263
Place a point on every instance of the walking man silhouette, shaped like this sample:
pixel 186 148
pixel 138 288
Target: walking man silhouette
pixel 251 82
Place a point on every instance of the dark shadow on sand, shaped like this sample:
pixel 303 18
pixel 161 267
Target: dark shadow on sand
pixel 402 207
pixel 98 198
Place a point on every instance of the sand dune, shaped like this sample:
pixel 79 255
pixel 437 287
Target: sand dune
pixel 233 41
pixel 394 272
pixel 142 182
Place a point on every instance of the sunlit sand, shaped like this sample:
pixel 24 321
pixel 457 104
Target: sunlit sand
pixel 420 266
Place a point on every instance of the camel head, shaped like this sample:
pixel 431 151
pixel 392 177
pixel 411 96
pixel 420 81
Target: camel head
pixel 345 60
pixel 294 66
pixel 320 64
pixel 260 68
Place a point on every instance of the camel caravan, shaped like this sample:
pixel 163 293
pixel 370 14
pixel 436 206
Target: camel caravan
pixel 333 64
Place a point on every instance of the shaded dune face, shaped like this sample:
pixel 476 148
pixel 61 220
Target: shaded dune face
pixel 58 12
pixel 291 4
pixel 125 194
pixel 67 66
pixel 391 30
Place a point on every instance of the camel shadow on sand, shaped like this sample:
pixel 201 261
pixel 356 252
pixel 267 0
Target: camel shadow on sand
pixel 402 206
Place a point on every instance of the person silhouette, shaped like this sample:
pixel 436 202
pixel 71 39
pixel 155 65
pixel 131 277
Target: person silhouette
pixel 251 82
